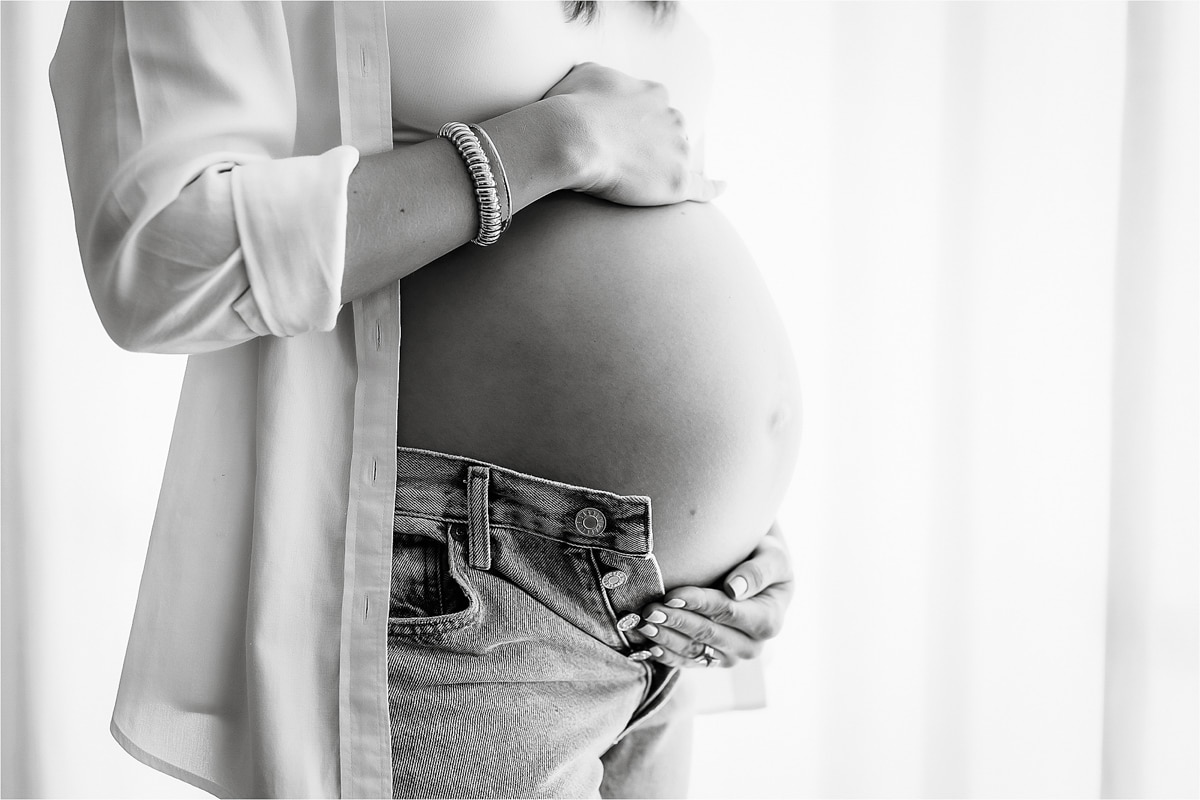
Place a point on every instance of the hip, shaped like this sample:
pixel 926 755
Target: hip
pixel 510 672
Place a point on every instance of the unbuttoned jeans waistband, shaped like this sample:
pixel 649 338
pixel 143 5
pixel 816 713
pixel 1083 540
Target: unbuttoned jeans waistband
pixel 439 486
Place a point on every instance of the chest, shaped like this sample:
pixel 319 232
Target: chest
pixel 470 61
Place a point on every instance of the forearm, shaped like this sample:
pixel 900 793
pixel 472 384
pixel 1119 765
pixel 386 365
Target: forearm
pixel 410 206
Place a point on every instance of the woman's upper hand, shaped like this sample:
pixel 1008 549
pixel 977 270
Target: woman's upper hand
pixel 631 147
pixel 732 623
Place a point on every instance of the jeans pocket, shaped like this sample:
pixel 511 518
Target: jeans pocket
pixel 430 591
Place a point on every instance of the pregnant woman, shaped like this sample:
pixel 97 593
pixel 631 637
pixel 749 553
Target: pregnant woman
pixel 537 455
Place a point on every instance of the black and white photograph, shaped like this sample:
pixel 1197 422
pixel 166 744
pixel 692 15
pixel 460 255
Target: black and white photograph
pixel 600 399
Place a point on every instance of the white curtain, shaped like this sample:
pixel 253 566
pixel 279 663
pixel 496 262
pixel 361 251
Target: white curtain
pixel 980 223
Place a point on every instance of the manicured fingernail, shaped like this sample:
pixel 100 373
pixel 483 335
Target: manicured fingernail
pixel 675 602
pixel 656 616
pixel 738 586
pixel 640 655
pixel 648 629
pixel 657 651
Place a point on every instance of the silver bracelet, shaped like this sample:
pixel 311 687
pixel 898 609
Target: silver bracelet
pixel 506 206
pixel 477 164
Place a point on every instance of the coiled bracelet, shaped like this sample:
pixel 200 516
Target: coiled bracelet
pixel 493 217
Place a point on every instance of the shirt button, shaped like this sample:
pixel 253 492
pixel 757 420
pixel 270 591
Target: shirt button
pixel 590 522
pixel 611 580
pixel 628 621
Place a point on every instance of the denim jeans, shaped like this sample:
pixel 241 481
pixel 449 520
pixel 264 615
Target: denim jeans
pixel 509 669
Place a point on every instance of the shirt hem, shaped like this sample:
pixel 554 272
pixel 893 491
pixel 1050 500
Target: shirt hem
pixel 165 767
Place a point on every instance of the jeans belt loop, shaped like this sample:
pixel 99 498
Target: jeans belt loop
pixel 479 547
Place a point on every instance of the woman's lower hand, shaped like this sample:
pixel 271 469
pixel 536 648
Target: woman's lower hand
pixel 630 146
pixel 697 627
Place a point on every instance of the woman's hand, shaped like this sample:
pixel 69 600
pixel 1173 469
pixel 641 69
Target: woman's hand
pixel 630 145
pixel 597 131
pixel 734 623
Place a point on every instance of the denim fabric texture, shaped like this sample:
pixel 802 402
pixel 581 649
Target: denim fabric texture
pixel 508 674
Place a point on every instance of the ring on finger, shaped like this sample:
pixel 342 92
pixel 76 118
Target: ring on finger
pixel 708 656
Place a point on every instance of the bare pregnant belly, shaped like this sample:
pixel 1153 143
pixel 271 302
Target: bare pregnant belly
pixel 631 350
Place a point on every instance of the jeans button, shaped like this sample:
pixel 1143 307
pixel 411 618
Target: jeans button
pixel 590 522
pixel 628 621
pixel 611 580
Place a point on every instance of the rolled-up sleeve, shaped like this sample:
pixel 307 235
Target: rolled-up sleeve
pixel 198 225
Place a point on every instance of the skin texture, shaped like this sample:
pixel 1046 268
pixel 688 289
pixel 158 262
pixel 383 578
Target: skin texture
pixel 632 350
pixel 600 132
pixel 597 131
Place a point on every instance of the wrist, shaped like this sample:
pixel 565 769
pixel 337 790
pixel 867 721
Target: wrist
pixel 574 149
pixel 544 148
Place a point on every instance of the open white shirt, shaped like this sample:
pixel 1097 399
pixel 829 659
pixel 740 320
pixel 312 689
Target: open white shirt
pixel 257 659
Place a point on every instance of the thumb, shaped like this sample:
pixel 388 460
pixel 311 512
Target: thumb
pixel 768 564
pixel 745 581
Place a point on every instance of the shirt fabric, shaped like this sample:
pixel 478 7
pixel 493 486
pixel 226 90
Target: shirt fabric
pixel 208 147
pixel 256 663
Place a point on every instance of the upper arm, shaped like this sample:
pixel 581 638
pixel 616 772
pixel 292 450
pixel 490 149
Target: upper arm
pixel 178 124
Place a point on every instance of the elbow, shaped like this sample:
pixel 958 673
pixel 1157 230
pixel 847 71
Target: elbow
pixel 170 284
pixel 148 339
pixel 151 304
pixel 127 337
pixel 160 327
pixel 216 266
